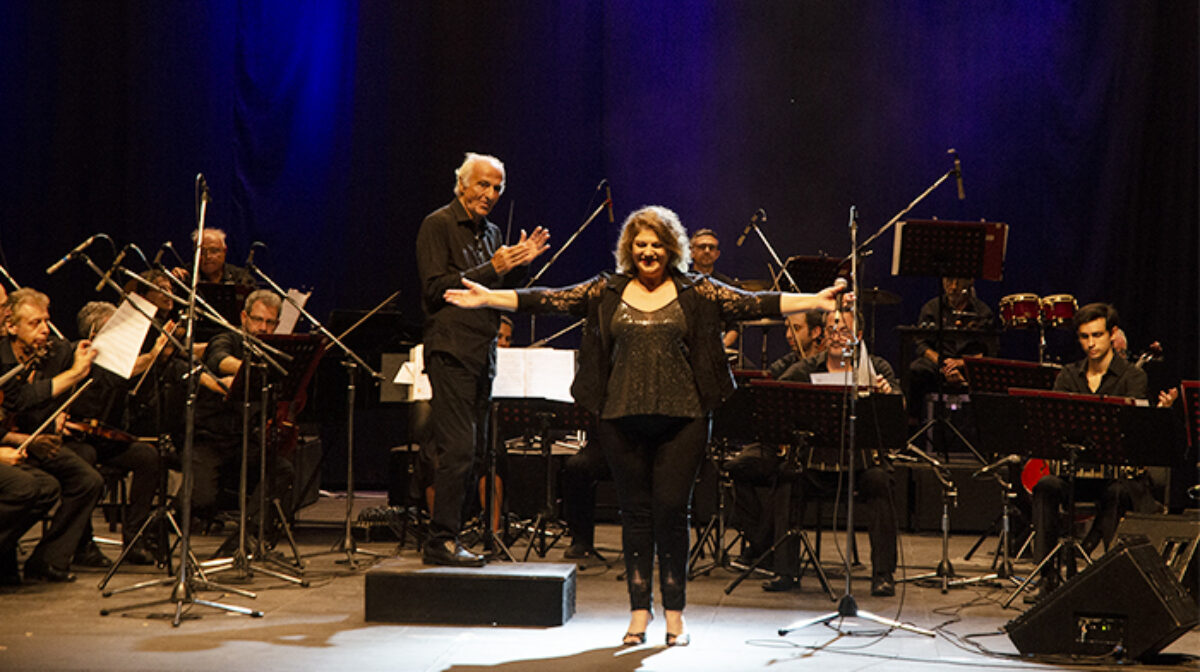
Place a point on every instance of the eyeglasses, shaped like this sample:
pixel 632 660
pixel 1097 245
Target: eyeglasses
pixel 212 251
pixel 705 246
pixel 265 321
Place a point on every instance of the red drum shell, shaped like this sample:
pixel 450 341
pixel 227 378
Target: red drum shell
pixel 1019 311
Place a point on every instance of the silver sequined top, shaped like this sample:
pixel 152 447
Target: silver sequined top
pixel 650 373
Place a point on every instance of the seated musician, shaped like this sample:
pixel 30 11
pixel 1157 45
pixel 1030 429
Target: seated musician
pixel 96 416
pixel 1099 372
pixel 216 455
pixel 755 468
pixel 959 309
pixel 874 483
pixel 53 369
pixel 213 267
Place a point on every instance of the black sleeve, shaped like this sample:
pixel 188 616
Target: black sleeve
pixel 435 263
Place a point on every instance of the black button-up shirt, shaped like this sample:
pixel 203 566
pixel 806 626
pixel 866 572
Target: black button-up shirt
pixel 1122 379
pixel 450 247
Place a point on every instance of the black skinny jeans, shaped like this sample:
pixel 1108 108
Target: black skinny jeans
pixel 654 462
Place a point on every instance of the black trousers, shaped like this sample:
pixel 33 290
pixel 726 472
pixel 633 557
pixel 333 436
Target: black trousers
pixel 138 458
pixel 654 461
pixel 26 495
pixel 1114 497
pixel 458 420
pixel 874 486
pixel 80 487
pixel 217 465
pixel 581 472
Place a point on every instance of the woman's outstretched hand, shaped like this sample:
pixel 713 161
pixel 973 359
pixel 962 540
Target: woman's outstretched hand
pixel 474 296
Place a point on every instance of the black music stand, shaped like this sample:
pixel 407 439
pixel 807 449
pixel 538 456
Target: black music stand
pixel 522 413
pixel 814 273
pixel 996 376
pixel 811 419
pixel 820 411
pixel 227 299
pixel 989 374
pixel 948 249
pixel 1109 430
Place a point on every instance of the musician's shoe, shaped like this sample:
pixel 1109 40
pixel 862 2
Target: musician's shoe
pixel 10 574
pixel 450 553
pixel 577 551
pixel 37 569
pixel 138 554
pixel 882 585
pixel 92 557
pixel 781 584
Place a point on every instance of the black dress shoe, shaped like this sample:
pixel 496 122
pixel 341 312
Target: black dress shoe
pixel 577 551
pixel 138 554
pixel 450 553
pixel 781 584
pixel 91 556
pixel 10 573
pixel 37 569
pixel 883 586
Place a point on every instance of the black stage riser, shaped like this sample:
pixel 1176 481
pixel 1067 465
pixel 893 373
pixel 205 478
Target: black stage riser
pixel 512 594
pixel 1127 599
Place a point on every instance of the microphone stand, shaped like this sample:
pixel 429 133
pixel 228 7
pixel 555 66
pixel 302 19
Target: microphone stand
pixel 945 570
pixel 771 250
pixel 351 361
pixel 16 285
pixel 191 577
pixel 847 607
pixel 554 258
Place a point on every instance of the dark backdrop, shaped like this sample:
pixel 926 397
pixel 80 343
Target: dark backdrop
pixel 329 129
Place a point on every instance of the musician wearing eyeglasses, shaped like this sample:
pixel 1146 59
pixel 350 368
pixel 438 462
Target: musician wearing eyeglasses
pixel 216 455
pixel 1101 372
pixel 957 308
pixel 706 249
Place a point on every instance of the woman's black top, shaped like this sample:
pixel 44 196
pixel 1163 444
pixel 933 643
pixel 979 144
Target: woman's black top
pixel 706 305
pixel 650 374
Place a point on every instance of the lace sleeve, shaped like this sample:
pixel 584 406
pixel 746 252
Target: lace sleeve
pixel 738 304
pixel 572 300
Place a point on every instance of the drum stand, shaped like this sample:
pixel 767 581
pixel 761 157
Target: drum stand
pixel 1067 545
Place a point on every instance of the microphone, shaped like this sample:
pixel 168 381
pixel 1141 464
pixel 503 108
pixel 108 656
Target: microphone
pixel 760 215
pixel 203 185
pixel 135 248
pixel 158 256
pixel 250 258
pixel 608 193
pixel 67 257
pixel 169 246
pixel 842 284
pixel 1007 459
pixel 962 195
pixel 115 265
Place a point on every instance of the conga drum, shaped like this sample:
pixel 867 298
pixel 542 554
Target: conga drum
pixel 1019 311
pixel 1058 310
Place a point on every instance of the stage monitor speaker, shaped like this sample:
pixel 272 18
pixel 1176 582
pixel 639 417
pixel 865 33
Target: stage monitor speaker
pixel 1177 539
pixel 1127 605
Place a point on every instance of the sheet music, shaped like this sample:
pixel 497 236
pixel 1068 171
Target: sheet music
pixel 544 373
pixel 412 373
pixel 288 315
pixel 866 373
pixel 119 341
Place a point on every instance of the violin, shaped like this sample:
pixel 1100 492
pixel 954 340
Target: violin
pixel 91 427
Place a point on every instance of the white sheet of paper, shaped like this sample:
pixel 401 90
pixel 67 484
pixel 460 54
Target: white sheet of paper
pixel 120 340
pixel 866 373
pixel 288 315
pixel 544 373
pixel 412 373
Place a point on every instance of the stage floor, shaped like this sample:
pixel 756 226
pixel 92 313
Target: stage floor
pixel 59 627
